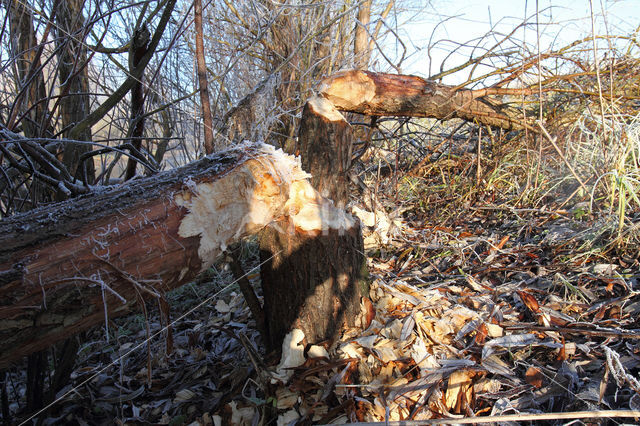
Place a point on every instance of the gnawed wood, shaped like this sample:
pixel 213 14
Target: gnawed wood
pixel 72 265
pixel 315 282
pixel 380 94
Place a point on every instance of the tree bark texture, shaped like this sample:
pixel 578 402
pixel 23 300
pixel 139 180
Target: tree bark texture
pixel 24 47
pixel 361 45
pixel 314 282
pixel 379 94
pixel 139 47
pixel 74 85
pixel 75 264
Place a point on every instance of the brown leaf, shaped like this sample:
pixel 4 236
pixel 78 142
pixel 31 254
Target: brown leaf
pixel 562 354
pixel 534 377
pixel 481 333
pixel 529 301
pixel 371 312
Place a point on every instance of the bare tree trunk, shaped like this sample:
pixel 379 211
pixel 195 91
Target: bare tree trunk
pixel 361 47
pixel 25 48
pixel 71 265
pixel 139 47
pixel 74 82
pixel 202 80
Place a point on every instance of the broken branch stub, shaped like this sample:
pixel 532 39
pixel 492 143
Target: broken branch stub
pixel 380 94
pixel 68 266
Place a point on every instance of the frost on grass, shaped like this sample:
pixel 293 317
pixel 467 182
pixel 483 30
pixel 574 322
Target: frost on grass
pixel 269 186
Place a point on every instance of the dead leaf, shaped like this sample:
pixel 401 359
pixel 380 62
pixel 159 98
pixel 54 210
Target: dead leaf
pixel 481 333
pixel 184 395
pixel 534 377
pixel 529 301
pixel 370 312
pixel 286 398
pixel 514 340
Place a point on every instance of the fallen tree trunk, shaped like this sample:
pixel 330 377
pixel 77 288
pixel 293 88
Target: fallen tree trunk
pixel 68 266
pixel 380 94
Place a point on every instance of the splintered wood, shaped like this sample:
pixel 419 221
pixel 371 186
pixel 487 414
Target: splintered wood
pixel 72 265
pixel 380 94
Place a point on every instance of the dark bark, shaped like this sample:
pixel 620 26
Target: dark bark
pixel 36 370
pixel 315 282
pixel 74 86
pixel 312 282
pixel 139 47
pixel 325 143
pixel 66 361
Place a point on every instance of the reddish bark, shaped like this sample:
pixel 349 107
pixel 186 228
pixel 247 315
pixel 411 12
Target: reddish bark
pixel 380 94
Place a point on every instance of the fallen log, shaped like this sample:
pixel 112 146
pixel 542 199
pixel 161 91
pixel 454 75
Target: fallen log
pixel 69 266
pixel 380 94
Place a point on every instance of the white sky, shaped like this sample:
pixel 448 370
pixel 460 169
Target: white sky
pixel 561 22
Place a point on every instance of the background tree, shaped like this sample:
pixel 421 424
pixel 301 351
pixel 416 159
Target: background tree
pixel 72 69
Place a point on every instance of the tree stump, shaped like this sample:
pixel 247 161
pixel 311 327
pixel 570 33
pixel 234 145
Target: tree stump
pixel 314 281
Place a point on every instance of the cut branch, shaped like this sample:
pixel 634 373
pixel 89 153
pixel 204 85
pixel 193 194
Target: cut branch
pixel 379 94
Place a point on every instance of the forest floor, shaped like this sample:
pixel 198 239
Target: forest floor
pixel 491 311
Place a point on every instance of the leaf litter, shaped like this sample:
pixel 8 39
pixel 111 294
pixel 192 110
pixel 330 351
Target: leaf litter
pixel 486 314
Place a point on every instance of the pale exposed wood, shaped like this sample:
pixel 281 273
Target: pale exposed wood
pixel 380 94
pixel 63 265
